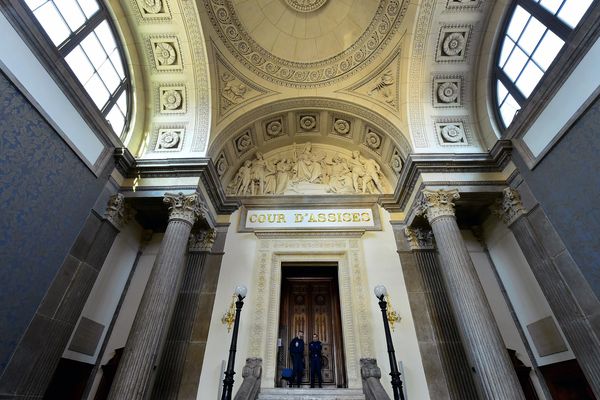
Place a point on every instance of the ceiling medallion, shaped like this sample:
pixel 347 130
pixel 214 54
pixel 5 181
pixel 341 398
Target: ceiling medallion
pixel 305 5
pixel 298 74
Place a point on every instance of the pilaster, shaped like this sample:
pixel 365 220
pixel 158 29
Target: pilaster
pixel 580 334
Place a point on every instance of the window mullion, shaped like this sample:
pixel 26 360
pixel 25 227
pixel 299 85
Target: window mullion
pixel 511 87
pixel 112 100
pixel 76 38
pixel 561 29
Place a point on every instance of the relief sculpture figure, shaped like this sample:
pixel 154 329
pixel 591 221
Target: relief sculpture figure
pixel 307 170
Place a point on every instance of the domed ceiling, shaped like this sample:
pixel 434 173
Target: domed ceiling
pixel 303 43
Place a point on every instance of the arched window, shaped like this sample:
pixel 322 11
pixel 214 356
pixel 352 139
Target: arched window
pixel 535 32
pixel 84 38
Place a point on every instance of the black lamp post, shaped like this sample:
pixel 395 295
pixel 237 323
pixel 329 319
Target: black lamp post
pixel 240 291
pixel 380 293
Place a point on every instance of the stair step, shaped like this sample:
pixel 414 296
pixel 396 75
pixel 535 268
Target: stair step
pixel 311 394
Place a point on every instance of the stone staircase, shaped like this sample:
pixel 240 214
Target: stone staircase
pixel 311 394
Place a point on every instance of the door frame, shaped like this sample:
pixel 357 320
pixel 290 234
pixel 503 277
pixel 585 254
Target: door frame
pixel 355 305
pixel 316 271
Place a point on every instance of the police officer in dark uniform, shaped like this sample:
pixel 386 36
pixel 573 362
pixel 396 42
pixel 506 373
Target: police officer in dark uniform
pixel 315 350
pixel 297 353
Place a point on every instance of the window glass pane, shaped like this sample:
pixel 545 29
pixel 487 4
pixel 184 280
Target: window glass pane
pixel 122 101
pixel 105 37
pixel 509 110
pixel 517 23
pixel 502 92
pixel 532 35
pixel 515 64
pixel 115 57
pixel 97 91
pixel 89 7
pixel 80 64
pixel 71 13
pixel 52 22
pixel 116 119
pixel 94 50
pixel 551 5
pixel 573 10
pixel 507 47
pixel 529 78
pixel 109 76
pixel 547 50
pixel 33 4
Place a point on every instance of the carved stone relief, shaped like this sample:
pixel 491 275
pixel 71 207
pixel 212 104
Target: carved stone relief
pixel 462 4
pixel 373 140
pixel 447 91
pixel 342 127
pixel 293 74
pixel 243 142
pixel 166 53
pixel 153 9
pixel 396 162
pixel 274 128
pixel 306 170
pixel 172 99
pixel 354 297
pixel 221 164
pixel 452 43
pixel 169 139
pixel 307 122
pixel 451 133
pixel 234 90
pixel 305 5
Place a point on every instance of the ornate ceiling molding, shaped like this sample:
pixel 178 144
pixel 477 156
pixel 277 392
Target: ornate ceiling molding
pixel 234 90
pixel 296 74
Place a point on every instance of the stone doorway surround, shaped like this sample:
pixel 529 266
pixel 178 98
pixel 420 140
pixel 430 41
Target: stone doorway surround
pixel 345 249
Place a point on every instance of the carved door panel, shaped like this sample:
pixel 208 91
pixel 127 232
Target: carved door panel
pixel 311 305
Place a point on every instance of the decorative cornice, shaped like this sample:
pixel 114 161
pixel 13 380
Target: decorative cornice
pixel 417 164
pixel 419 238
pixel 510 207
pixel 185 207
pixel 437 203
pixel 116 211
pixel 202 241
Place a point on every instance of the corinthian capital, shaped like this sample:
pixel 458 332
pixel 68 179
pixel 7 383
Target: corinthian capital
pixel 419 238
pixel 437 203
pixel 202 241
pixel 116 213
pixel 185 207
pixel 509 208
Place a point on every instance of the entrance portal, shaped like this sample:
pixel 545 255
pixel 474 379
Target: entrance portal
pixel 310 303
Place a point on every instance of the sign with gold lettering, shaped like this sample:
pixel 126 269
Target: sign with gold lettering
pixel 317 219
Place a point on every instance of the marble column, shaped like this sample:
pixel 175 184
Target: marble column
pixel 567 310
pixel 141 355
pixel 447 370
pixel 495 375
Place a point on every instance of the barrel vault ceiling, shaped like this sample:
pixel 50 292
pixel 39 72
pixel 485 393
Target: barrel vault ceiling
pixel 225 78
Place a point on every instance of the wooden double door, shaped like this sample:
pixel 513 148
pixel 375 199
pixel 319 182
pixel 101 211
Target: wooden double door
pixel 311 304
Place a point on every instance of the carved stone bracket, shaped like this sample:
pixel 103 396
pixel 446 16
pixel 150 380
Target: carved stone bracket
pixel 509 208
pixel 202 241
pixel 185 207
pixel 117 212
pixel 419 238
pixel 437 203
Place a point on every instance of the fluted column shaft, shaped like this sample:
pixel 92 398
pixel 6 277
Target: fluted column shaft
pixel 133 377
pixel 580 335
pixel 481 337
